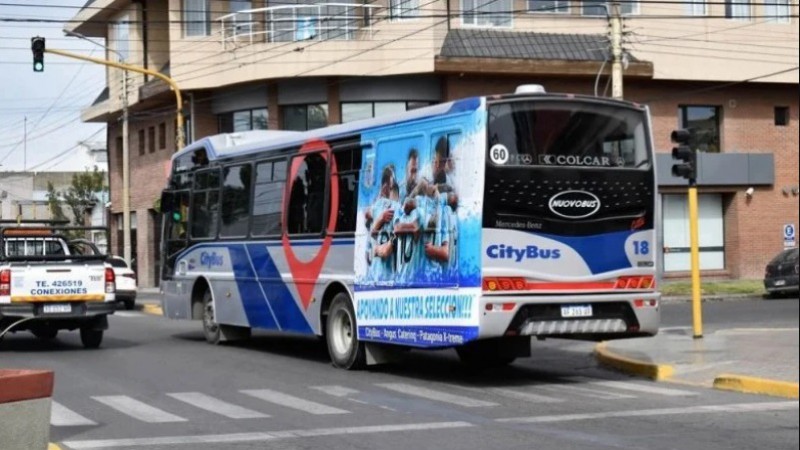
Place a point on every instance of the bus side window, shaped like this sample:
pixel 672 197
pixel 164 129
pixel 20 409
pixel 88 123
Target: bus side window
pixel 307 196
pixel 204 213
pixel 267 198
pixel 348 164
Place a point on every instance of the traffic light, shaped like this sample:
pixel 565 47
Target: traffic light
pixel 37 46
pixel 682 152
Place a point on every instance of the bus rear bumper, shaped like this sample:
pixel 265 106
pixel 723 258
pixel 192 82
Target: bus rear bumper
pixel 582 316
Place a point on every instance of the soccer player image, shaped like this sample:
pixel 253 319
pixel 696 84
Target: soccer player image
pixel 381 215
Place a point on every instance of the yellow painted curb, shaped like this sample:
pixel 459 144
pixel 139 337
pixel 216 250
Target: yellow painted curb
pixel 632 366
pixel 753 385
pixel 149 308
pixel 52 446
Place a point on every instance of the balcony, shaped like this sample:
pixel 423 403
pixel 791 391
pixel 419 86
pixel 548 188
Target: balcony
pixel 290 23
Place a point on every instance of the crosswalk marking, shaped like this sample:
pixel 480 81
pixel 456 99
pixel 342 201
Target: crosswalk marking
pixel 293 402
pixel 336 391
pixel 431 394
pixel 586 392
pixel 61 416
pixel 524 395
pixel 138 410
pixel 636 387
pixel 215 405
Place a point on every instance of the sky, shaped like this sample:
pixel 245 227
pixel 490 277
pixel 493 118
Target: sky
pixel 51 100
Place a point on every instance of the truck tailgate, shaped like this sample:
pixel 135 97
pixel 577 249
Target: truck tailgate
pixel 58 283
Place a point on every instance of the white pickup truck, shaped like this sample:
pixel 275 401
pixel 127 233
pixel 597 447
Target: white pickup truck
pixel 45 288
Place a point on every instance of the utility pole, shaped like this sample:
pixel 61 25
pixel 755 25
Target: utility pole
pixel 25 145
pixel 615 19
pixel 126 175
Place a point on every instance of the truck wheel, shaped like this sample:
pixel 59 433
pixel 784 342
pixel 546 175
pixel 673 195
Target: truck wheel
pixel 91 338
pixel 341 334
pixel 210 326
pixel 45 334
pixel 130 303
pixel 484 354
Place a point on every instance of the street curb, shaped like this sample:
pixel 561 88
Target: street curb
pixel 632 366
pixel 712 298
pixel 753 385
pixel 150 308
pixel 52 446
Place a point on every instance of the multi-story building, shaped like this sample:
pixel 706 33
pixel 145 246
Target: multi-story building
pixel 726 69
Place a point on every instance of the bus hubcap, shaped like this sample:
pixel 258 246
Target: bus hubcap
pixel 342 332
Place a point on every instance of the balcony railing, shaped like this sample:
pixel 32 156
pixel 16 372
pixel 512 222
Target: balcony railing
pixel 289 23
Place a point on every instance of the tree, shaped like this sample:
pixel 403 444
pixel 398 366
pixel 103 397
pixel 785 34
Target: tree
pixel 54 203
pixel 80 196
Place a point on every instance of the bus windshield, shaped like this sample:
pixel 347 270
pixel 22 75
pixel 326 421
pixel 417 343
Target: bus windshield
pixel 553 133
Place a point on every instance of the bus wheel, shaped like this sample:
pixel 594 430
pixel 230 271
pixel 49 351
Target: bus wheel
pixel 345 350
pixel 45 333
pixel 91 338
pixel 210 326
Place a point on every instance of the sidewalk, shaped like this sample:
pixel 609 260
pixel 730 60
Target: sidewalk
pixel 756 360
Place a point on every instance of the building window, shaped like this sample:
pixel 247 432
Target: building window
pixel 548 6
pixel 703 122
pixel 487 13
pixel 162 136
pixel 305 117
pixel 404 9
pixel 603 8
pixel 122 37
pixel 151 139
pixel 781 116
pixel 235 216
pixel 737 9
pixel 141 142
pixel 675 228
pixel 268 197
pixel 365 110
pixel 196 19
pixel 695 8
pixel 245 120
pixel 777 11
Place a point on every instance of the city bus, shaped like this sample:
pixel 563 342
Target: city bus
pixel 475 224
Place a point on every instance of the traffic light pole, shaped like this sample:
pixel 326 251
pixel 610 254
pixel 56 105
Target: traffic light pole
pixel 697 310
pixel 180 141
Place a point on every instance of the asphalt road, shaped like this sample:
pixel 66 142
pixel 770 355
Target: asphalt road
pixel 156 384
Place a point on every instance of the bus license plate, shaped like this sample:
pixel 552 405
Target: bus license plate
pixel 57 308
pixel 576 311
pixel 780 282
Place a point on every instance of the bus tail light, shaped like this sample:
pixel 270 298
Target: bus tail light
pixel 641 303
pixel 110 281
pixel 635 282
pixel 5 282
pixel 504 284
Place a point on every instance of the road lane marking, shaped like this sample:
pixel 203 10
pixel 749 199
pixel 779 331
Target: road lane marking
pixel 138 410
pixel 290 401
pixel 336 391
pixel 61 416
pixel 635 387
pixel 215 405
pixel 730 408
pixel 431 394
pixel 523 395
pixel 260 437
pixel 582 391
pixel 128 314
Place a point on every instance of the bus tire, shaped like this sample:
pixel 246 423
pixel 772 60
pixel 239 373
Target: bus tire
pixel 211 329
pixel 91 338
pixel 341 335
pixel 45 333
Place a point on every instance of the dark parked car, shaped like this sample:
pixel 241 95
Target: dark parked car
pixel 780 276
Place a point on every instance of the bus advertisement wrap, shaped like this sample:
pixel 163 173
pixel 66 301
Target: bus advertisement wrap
pixel 419 218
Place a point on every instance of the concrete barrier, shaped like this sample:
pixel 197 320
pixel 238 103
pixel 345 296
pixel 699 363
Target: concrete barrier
pixel 25 409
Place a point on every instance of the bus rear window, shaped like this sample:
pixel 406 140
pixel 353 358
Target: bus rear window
pixel 566 133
